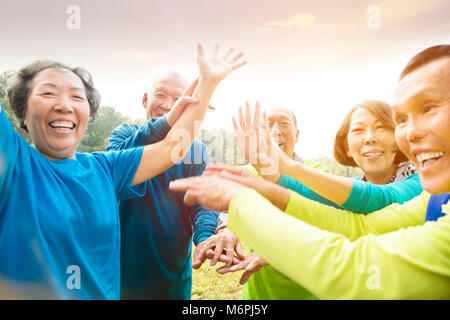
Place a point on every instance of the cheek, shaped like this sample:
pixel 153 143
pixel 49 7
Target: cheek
pixel 353 144
pixel 400 139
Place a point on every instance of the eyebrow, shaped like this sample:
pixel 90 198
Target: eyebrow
pixel 49 84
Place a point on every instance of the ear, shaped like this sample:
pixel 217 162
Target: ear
pixel 296 135
pixel 144 100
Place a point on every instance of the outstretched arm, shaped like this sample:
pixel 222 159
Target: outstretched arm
pixel 333 267
pixel 160 156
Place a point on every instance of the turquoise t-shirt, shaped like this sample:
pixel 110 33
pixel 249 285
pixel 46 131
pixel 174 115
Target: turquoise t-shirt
pixel 59 221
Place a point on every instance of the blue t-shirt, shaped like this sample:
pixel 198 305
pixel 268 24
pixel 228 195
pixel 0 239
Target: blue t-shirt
pixel 158 229
pixel 59 221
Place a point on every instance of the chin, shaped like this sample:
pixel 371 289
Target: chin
pixel 434 186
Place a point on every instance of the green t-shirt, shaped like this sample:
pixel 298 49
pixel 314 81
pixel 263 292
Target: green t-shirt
pixel 270 284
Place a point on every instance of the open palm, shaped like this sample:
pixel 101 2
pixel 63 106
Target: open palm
pixel 216 68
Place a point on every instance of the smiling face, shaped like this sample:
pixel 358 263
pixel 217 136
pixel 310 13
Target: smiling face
pixel 372 146
pixel 283 128
pixel 163 95
pixel 57 113
pixel 422 117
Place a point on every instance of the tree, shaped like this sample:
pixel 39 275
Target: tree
pixel 98 131
pixel 4 78
pixel 222 146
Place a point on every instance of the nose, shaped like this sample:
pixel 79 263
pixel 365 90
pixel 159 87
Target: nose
pixel 275 130
pixel 64 105
pixel 415 130
pixel 168 104
pixel 369 136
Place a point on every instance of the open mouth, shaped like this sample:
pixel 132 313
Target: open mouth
pixel 63 126
pixel 428 159
pixel 372 154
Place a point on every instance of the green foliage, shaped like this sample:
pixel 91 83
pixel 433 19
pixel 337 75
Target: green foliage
pixel 222 146
pixel 98 131
pixel 340 170
pixel 4 78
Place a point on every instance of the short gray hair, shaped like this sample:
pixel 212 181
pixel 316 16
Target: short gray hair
pixel 19 87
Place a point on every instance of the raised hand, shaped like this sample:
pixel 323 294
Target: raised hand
pixel 217 68
pixel 255 142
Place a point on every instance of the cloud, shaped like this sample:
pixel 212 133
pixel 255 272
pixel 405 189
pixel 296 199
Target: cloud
pixel 302 21
pixel 138 55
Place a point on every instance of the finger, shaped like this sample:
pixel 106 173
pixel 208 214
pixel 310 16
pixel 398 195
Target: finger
pixel 248 115
pixel 227 54
pixel 182 185
pixel 237 267
pixel 185 100
pixel 210 172
pixel 230 252
pixel 256 116
pixel 239 170
pixel 238 65
pixel 199 256
pixel 217 252
pixel 245 276
pixel 190 90
pixel 216 50
pixel 235 125
pixel 238 250
pixel 236 57
pixel 190 198
pixel 237 178
pixel 209 253
pixel 200 53
pixel 241 118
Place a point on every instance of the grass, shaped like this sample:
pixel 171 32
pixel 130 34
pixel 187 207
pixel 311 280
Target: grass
pixel 207 284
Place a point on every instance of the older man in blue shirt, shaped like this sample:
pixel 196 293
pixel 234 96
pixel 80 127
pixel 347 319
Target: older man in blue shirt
pixel 158 229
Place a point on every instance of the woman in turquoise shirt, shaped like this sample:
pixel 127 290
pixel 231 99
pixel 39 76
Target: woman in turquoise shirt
pixel 366 140
pixel 59 222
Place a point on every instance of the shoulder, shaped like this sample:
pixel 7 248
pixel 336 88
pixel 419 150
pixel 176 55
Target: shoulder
pixel 125 128
pixel 405 170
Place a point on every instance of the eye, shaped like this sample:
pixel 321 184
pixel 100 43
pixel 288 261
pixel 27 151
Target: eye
pixel 76 97
pixel 428 108
pixel 399 119
pixel 48 94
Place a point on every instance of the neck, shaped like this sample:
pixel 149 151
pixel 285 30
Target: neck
pixel 380 178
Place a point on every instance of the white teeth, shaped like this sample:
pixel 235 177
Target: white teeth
pixel 372 154
pixel 427 156
pixel 62 124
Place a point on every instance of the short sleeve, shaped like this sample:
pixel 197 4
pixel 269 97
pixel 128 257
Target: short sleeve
pixel 123 166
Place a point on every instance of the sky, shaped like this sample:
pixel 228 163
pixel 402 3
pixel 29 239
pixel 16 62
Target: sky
pixel 318 58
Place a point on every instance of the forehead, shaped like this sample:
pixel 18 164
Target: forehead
pixel 169 84
pixel 280 114
pixel 362 115
pixel 58 78
pixel 430 80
